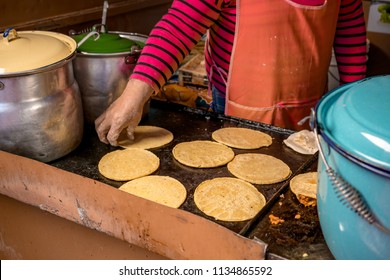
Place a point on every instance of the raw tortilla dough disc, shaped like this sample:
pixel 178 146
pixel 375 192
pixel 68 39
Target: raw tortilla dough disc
pixel 161 189
pixel 242 138
pixel 146 137
pixel 304 186
pixel 228 199
pixel 303 142
pixel 202 153
pixel 128 164
pixel 259 168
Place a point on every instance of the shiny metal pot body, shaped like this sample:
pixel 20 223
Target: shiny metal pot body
pixel 41 113
pixel 102 80
pixel 102 77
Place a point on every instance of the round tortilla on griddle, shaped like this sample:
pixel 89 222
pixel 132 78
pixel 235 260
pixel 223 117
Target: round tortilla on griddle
pixel 202 153
pixel 128 164
pixel 146 137
pixel 259 168
pixel 304 186
pixel 228 199
pixel 242 138
pixel 161 189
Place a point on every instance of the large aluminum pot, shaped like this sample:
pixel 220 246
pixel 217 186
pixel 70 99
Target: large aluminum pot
pixel 40 105
pixel 352 123
pixel 102 76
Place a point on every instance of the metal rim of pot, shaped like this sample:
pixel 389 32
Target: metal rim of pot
pixel 367 165
pixel 58 64
pixel 130 56
pixel 101 42
pixel 331 118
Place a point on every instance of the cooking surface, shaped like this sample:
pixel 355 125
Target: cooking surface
pixel 189 124
pixel 299 236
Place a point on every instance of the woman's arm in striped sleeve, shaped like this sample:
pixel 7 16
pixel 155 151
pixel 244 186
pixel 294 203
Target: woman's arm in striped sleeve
pixel 172 39
pixel 350 42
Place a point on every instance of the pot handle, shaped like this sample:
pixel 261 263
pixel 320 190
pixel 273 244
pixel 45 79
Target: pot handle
pixel 92 33
pixel 346 193
pixel 104 16
pixel 10 34
pixel 133 56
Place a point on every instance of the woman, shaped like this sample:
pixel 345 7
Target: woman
pixel 267 61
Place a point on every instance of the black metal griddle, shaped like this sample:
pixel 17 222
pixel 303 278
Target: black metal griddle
pixel 294 239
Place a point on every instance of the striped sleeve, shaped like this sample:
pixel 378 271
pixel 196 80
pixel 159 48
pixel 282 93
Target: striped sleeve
pixel 350 42
pixel 220 41
pixel 172 39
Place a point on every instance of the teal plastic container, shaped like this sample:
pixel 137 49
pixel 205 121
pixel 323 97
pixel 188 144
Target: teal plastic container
pixel 353 127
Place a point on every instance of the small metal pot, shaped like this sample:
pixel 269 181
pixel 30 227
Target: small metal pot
pixel 40 105
pixel 353 132
pixel 102 72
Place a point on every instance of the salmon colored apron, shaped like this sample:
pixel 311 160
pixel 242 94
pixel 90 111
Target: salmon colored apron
pixel 280 60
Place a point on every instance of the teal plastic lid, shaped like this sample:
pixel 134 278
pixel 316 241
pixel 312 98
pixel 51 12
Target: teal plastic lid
pixel 356 118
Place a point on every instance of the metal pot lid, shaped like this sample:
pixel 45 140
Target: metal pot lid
pixel 103 43
pixel 356 118
pixel 30 50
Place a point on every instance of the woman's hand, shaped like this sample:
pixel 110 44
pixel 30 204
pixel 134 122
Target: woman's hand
pixel 124 113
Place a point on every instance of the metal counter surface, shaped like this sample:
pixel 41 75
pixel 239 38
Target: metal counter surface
pixel 297 239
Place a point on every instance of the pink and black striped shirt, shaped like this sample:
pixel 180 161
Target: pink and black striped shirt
pixel 187 21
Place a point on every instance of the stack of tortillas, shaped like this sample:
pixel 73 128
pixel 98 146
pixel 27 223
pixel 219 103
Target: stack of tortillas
pixel 202 154
pixel 228 199
pixel 304 186
pixel 128 164
pixel 242 138
pixel 259 168
pixel 146 137
pixel 161 189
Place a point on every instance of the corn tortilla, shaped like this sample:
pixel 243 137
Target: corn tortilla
pixel 128 164
pixel 259 168
pixel 202 153
pixel 146 137
pixel 228 199
pixel 161 189
pixel 305 184
pixel 242 138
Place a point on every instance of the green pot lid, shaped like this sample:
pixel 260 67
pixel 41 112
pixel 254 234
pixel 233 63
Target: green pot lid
pixel 105 43
pixel 356 118
pixel 30 50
